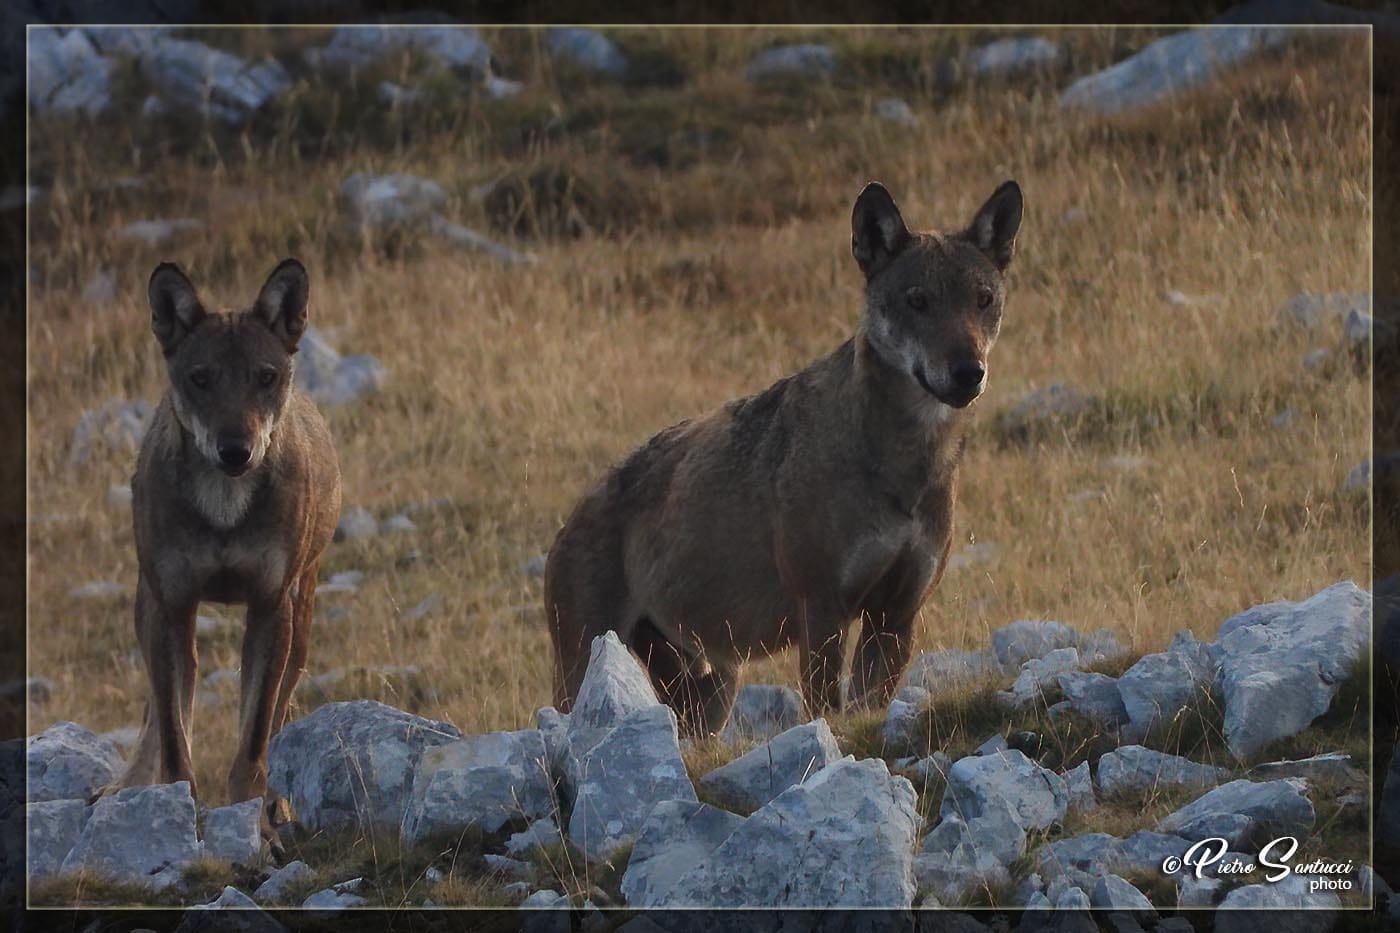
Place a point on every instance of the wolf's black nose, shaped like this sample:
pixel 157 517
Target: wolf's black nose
pixel 234 455
pixel 967 376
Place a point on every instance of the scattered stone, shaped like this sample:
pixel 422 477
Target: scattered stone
pixel 756 777
pixel 761 711
pixel 586 50
pixel 233 834
pixel 1006 58
pixel 1283 419
pixel 1161 685
pixel 137 833
pixel 1284 907
pixel 1037 674
pixel 399 523
pixel 983 552
pixel 97 589
pixel 54 829
pixel 332 901
pixel 158 232
pixel 1081 787
pixel 922 770
pixel 350 766
pixel 67 75
pixel 422 608
pixel 1038 797
pixel 355 523
pixel 485 781
pixel 677 836
pixel 534 567
pixel 1316 358
pixel 1026 640
pixel 1056 402
pixel 614 685
pixel 1094 696
pixel 212 917
pixel 903 717
pixel 283 880
pixel 1246 814
pixel 1090 854
pixel 617 781
pixel 1309 309
pixel 212 82
pixel 331 379
pixel 68 762
pixel 1114 893
pixel 1331 766
pixel 793 61
pixel 895 110
pixel 101 289
pixel 843 838
pixel 939 671
pixel 1133 767
pixel 513 869
pixel 391 201
pixel 118 425
pixel 1197 892
pixel 1100 645
pixel 459 235
pixel 541 834
pixel 456 48
pixel 993 746
pixel 395 96
pixel 960 857
pixel 1281 663
pixel 1167 67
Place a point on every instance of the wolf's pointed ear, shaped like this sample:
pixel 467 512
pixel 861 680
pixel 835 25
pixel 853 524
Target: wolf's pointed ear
pixel 175 307
pixel 282 302
pixel 878 233
pixel 993 230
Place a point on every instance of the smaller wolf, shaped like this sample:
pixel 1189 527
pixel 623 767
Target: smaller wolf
pixel 235 497
pixel 780 518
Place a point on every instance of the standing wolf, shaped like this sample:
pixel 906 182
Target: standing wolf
pixel 235 496
pixel 781 517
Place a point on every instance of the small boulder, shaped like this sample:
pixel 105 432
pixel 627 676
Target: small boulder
pixel 211 82
pixel 1287 906
pixel 634 766
pixel 138 833
pixel 456 48
pixel 1159 686
pixel 1114 893
pixel 1308 309
pixel 1081 787
pixel 1038 797
pixel 350 766
pixel 895 110
pixel 541 834
pixel 1027 639
pixel 54 829
pixel 1246 814
pixel 614 686
pixel 843 838
pixel 215 917
pixel 760 712
pixel 961 856
pixel 903 717
pixel 1281 663
pixel 119 425
pixel 756 777
pixel 1168 66
pixel 67 74
pixel 356 522
pixel 331 379
pixel 69 762
pixel 586 50
pixel 384 202
pixel 1330 766
pixel 484 781
pixel 233 833
pixel 283 880
pixel 677 836
pixel 1006 58
pixel 939 671
pixel 1052 404
pixel 1133 767
pixel 1037 674
pixel 1094 696
pixel 808 60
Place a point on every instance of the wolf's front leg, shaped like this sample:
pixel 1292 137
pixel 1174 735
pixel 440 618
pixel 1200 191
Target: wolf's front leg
pixel 267 642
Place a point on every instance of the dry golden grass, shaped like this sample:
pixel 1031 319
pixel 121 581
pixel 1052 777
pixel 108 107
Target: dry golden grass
pixel 712 268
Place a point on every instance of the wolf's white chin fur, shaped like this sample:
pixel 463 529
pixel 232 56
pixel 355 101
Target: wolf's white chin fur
pixel 223 500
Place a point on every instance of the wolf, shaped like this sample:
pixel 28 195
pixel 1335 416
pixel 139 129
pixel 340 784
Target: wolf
pixel 782 517
pixel 235 496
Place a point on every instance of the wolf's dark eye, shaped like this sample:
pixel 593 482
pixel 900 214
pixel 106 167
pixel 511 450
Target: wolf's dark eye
pixel 200 378
pixel 267 377
pixel 984 298
pixel 916 299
